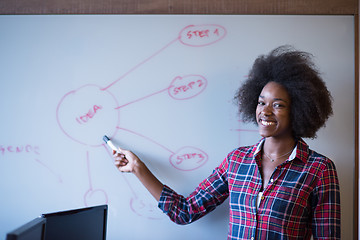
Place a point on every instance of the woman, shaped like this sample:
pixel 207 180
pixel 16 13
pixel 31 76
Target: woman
pixel 278 188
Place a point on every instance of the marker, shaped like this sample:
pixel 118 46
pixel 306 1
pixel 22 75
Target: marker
pixel 110 143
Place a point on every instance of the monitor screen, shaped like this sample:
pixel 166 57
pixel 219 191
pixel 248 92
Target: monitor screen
pixel 84 223
pixel 33 230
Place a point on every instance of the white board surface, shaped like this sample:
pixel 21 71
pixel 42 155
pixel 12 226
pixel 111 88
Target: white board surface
pixel 161 86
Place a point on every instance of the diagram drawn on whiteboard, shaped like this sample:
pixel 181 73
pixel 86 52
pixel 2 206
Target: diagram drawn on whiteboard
pixel 92 110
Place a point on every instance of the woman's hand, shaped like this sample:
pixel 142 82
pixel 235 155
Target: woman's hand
pixel 126 161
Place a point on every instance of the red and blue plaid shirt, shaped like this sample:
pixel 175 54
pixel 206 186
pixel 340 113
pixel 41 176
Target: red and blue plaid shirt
pixel 301 199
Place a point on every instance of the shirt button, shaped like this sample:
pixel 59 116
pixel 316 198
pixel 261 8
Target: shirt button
pixel 262 197
pixel 271 180
pixel 252 238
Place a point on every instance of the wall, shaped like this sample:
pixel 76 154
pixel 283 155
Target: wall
pixel 331 7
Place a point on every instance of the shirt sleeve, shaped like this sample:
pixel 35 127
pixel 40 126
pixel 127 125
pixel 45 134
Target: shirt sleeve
pixel 326 205
pixel 210 193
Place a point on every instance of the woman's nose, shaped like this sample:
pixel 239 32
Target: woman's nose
pixel 267 110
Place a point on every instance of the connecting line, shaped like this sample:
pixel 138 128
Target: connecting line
pixel 149 139
pixel 52 171
pixel 244 130
pixel 88 168
pixel 138 65
pixel 150 95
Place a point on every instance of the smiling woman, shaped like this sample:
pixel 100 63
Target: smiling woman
pixel 291 191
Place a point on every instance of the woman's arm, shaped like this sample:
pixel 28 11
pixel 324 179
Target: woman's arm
pixel 126 161
pixel 210 193
pixel 326 215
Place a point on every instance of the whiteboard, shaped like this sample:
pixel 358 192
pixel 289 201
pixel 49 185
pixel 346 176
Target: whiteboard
pixel 159 85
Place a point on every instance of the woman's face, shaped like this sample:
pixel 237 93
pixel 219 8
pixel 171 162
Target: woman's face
pixel 273 112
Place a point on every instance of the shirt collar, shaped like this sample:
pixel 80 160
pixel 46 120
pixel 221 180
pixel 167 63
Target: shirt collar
pixel 301 150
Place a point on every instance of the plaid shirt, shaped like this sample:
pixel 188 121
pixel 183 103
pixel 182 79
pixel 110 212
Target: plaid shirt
pixel 301 199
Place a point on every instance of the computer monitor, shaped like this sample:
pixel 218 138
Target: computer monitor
pixel 33 230
pixel 84 223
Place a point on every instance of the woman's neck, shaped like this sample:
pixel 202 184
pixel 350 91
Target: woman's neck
pixel 278 147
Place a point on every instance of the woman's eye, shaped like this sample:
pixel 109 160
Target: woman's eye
pixel 260 103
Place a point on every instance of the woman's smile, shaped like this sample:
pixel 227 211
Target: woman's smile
pixel 267 123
